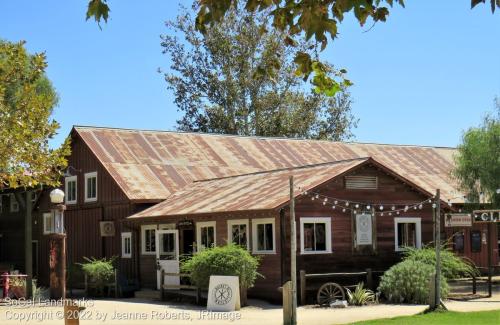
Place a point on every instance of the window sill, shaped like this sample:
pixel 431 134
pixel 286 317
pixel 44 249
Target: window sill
pixel 90 200
pixel 148 253
pixel 315 252
pixel 264 252
pixel 126 256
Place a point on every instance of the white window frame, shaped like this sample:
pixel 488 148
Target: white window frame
pixel 87 176
pixel 328 234
pixel 125 236
pixel 237 222
pixel 418 230
pixel 14 205
pixel 143 239
pixel 45 216
pixel 255 223
pixel 68 180
pixel 200 225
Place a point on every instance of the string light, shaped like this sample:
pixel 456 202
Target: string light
pixel 333 207
pixel 347 203
pixel 335 202
pixel 368 207
pixel 317 195
pixel 420 206
pixel 393 208
pixel 326 199
pixel 381 207
pixel 343 210
pixel 357 205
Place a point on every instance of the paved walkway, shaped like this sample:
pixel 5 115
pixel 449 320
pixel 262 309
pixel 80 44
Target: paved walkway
pixel 135 311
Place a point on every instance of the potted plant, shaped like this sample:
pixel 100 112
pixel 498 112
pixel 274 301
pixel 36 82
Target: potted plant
pixel 17 287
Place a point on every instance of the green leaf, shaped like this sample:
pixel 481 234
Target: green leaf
pixel 99 10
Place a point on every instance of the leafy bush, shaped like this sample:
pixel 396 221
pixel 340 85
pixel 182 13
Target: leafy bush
pixel 360 296
pixel 222 260
pixel 99 271
pixel 408 281
pixel 452 266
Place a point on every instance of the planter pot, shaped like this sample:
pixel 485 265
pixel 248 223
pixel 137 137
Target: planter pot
pixel 243 296
pixel 17 292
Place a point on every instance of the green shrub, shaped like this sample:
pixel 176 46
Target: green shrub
pixel 99 271
pixel 452 266
pixel 360 296
pixel 222 260
pixel 408 281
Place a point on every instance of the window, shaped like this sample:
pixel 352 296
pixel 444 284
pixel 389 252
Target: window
pixel 315 235
pixel 475 241
pixel 205 234
pixel 70 187
pixel 361 182
pixel 126 244
pixel 407 233
pixel 14 205
pixel 237 232
pixel 33 197
pixel 263 236
pixel 48 223
pixel 458 242
pixel 148 239
pixel 91 187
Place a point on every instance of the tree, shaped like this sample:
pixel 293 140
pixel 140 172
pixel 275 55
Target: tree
pixel 478 159
pixel 27 99
pixel 218 85
pixel 298 18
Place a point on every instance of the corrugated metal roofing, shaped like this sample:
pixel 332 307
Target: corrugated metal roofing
pixel 151 165
pixel 258 191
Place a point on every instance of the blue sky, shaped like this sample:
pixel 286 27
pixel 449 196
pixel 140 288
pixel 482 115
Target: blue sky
pixel 423 77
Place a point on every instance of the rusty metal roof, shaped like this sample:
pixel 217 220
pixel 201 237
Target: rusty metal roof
pixel 152 165
pixel 256 191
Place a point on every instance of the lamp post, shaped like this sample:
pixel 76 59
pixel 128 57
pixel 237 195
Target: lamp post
pixel 57 246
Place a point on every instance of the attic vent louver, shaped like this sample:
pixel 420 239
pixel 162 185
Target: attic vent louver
pixel 361 182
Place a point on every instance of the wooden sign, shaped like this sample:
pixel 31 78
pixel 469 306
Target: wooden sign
pixel 458 220
pixel 486 216
pixel 364 229
pixel 185 224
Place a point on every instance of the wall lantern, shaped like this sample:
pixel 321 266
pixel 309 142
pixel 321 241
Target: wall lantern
pixel 57 198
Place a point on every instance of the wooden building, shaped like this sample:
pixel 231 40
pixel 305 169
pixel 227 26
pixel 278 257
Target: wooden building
pixel 150 196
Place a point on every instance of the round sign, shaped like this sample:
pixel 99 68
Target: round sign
pixel 222 294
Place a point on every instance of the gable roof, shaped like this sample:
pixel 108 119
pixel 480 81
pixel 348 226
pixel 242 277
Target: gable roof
pixel 255 191
pixel 152 165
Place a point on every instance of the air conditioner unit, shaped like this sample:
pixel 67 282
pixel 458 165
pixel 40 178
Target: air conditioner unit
pixel 107 228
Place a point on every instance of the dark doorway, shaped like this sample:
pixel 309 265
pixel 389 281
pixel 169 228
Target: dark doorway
pixel 187 239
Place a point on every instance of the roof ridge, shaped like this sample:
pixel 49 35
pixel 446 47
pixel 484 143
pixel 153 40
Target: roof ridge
pixel 284 169
pixel 258 137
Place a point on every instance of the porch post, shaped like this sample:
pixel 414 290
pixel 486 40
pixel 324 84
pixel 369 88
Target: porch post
pixel 293 254
pixel 437 241
pixel 28 238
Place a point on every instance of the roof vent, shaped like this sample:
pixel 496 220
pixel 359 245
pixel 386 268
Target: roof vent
pixel 361 182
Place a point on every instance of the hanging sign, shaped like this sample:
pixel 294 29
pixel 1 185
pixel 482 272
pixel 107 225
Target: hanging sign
pixel 223 293
pixel 458 220
pixel 185 223
pixel 364 229
pixel 486 216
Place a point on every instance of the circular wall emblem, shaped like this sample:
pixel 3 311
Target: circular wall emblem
pixel 222 294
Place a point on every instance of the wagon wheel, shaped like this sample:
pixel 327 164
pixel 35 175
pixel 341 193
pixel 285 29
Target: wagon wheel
pixel 329 292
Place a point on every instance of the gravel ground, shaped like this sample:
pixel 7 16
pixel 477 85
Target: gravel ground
pixel 136 311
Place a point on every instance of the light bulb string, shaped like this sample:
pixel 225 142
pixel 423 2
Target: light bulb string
pixel 345 205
